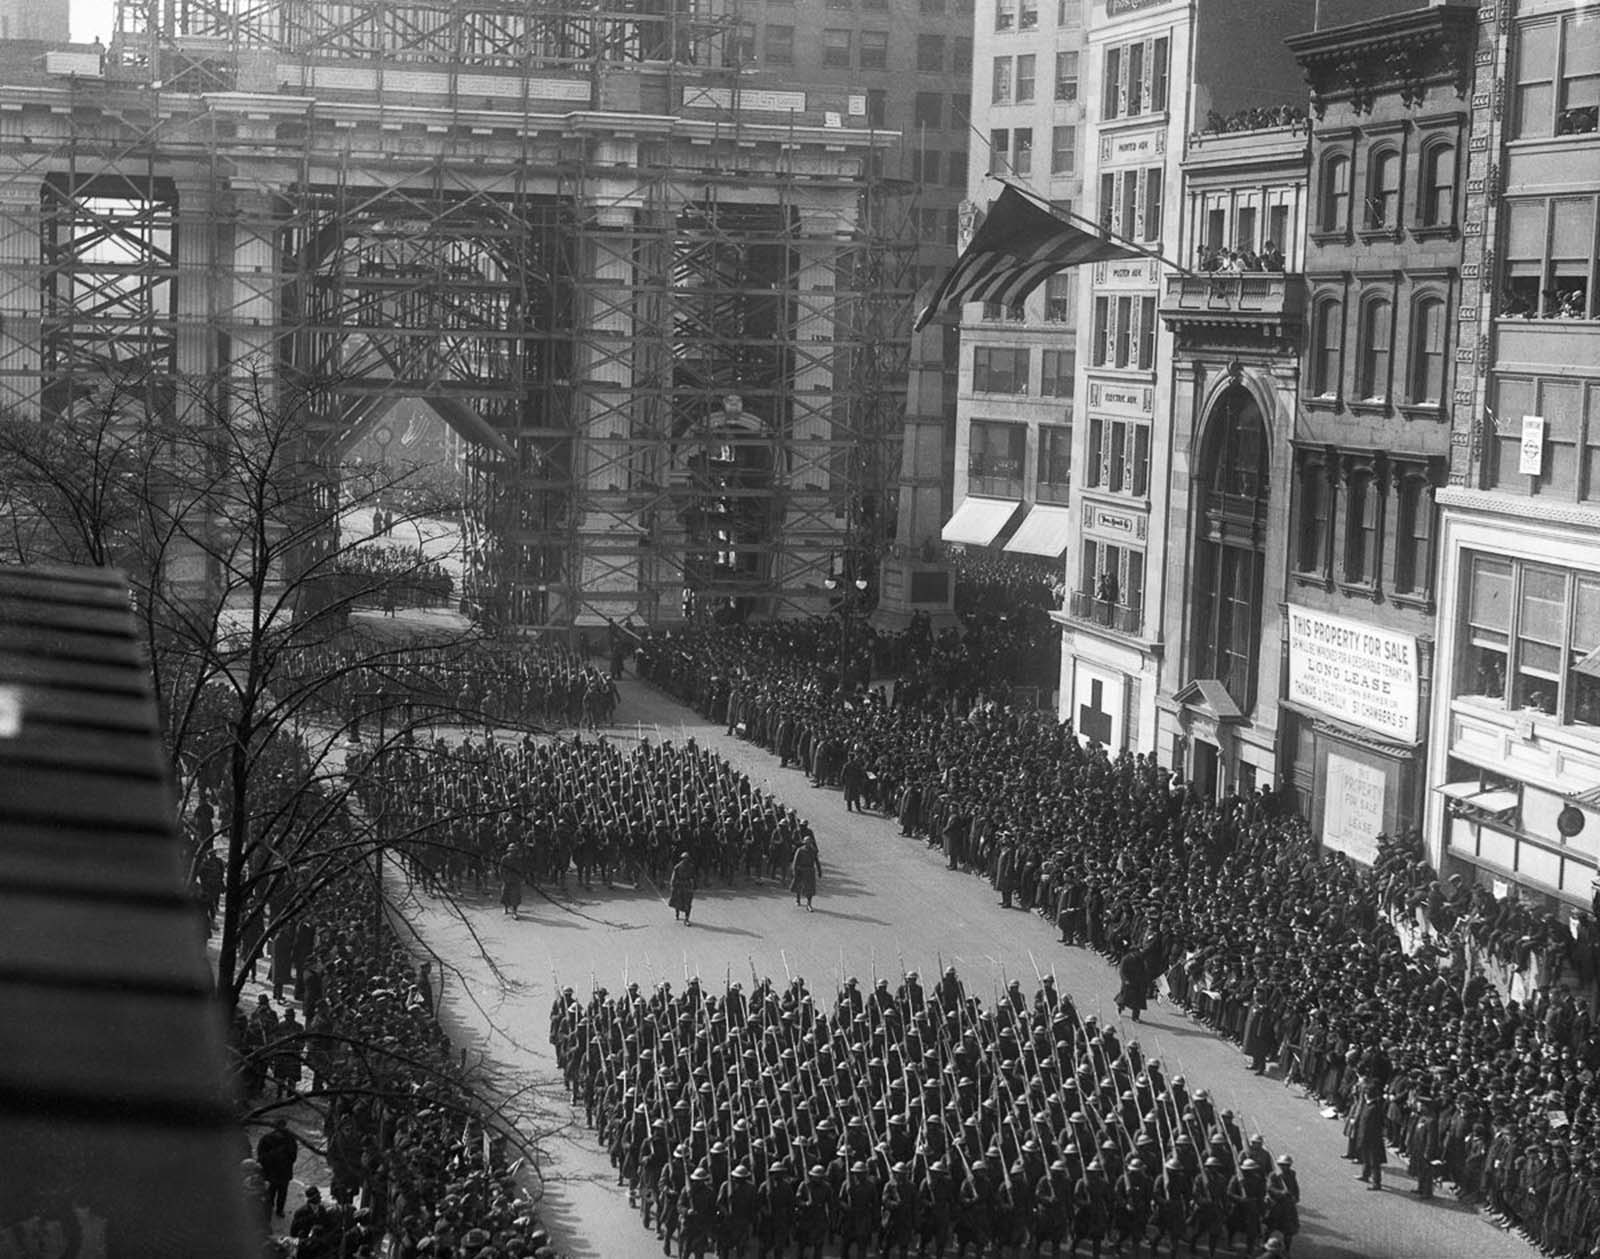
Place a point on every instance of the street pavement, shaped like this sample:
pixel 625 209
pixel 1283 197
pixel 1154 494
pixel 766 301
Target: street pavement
pixel 884 903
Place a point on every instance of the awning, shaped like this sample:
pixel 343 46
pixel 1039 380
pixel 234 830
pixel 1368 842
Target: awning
pixel 1044 531
pixel 1459 791
pixel 978 521
pixel 1210 695
pixel 1493 802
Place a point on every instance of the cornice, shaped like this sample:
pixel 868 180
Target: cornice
pixel 1402 54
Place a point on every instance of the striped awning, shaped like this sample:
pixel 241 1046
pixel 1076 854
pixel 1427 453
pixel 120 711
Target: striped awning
pixel 979 521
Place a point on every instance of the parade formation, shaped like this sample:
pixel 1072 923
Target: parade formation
pixel 908 1120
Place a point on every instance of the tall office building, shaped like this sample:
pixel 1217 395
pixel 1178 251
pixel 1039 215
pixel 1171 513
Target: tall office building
pixel 1018 364
pixel 1515 760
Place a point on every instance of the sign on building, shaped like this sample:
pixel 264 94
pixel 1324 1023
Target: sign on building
pixel 1354 672
pixel 1352 807
pixel 1530 460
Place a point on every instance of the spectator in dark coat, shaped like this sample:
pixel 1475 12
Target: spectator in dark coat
pixel 277 1151
pixel 1370 1122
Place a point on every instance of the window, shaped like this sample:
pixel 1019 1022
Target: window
pixel 960 111
pixel 835 47
pixel 930 53
pixel 1488 628
pixel 1122 337
pixel 877 107
pixel 998 369
pixel 1066 76
pixel 1057 368
pixel 1427 353
pixel 1147 333
pixel 1000 151
pixel 1334 213
pixel 1133 96
pixel 1022 150
pixel 925 166
pixel 1069 13
pixel 1556 69
pixel 1055 464
pixel 1362 516
pixel 1112 585
pixel 1058 298
pixel 1100 333
pixel 1383 190
pixel 996 455
pixel 1439 186
pixel 1329 339
pixel 874 50
pixel 1158 75
pixel 994 312
pixel 1000 91
pixel 1005 14
pixel 956 171
pixel 1245 237
pixel 780 45
pixel 1550 258
pixel 1278 227
pixel 927 110
pixel 1230 547
pixel 742 44
pixel 961 58
pixel 1063 150
pixel 1413 542
pixel 1119 456
pixel 1373 383
pixel 1027 14
pixel 1025 77
pixel 1311 534
pixel 1111 85
pixel 1152 203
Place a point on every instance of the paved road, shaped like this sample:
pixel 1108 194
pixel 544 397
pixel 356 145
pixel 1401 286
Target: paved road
pixel 883 899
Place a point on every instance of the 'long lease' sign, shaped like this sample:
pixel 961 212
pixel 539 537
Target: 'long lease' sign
pixel 1355 672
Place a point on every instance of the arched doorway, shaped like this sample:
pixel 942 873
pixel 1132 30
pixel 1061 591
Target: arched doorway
pixel 1231 495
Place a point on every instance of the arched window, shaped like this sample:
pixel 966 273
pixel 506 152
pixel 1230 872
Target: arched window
pixel 1328 333
pixel 1383 189
pixel 1335 209
pixel 1230 546
pixel 1372 384
pixel 1426 375
pixel 1439 186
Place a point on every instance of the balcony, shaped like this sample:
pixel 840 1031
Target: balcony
pixel 1084 606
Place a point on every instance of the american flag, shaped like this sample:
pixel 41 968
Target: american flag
pixel 1012 253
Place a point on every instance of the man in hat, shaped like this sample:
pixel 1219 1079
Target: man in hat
pixel 737 1207
pixel 805 870
pixel 276 1152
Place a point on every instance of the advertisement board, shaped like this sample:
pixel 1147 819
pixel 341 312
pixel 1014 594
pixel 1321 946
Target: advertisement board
pixel 1354 672
pixel 1352 807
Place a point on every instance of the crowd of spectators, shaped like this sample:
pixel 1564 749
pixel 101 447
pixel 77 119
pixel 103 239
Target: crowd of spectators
pixel 1254 118
pixel 395 574
pixel 537 811
pixel 417 1162
pixel 1214 258
pixel 1274 940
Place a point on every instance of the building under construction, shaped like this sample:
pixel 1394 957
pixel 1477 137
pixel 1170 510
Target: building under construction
pixel 664 299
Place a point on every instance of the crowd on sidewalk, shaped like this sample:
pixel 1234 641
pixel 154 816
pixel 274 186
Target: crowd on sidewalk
pixel 899 1119
pixel 400 1121
pixel 1281 944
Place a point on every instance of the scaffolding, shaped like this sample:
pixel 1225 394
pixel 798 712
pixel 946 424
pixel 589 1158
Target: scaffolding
pixel 664 300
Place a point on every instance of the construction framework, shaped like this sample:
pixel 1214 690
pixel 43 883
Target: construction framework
pixel 664 299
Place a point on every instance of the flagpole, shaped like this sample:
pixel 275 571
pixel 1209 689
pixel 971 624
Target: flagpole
pixel 1102 229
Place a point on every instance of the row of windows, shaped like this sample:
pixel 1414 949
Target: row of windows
pixel 1023 15
pixel 1350 509
pixel 1060 303
pixel 1007 369
pixel 1111 585
pixel 1119 457
pixel 1384 208
pixel 1131 202
pixel 1136 79
pixel 928 110
pixel 1011 150
pixel 927 166
pixel 1533 639
pixel 997 461
pixel 1569 412
pixel 1014 79
pixel 1366 375
pixel 845 48
pixel 1124 332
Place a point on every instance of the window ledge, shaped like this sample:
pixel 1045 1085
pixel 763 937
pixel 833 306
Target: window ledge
pixel 1320 402
pixel 1330 236
pixel 1422 410
pixel 1134 120
pixel 1435 231
pixel 1417 602
pixel 1371 406
pixel 1372 235
pixel 1361 590
pixel 1312 581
